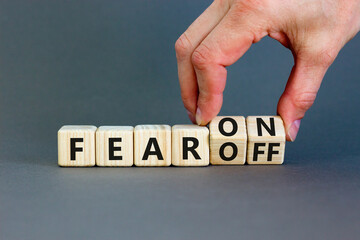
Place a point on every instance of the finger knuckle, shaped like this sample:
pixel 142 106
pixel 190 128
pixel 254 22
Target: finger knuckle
pixel 201 56
pixel 223 3
pixel 323 57
pixel 304 100
pixel 249 5
pixel 327 57
pixel 183 46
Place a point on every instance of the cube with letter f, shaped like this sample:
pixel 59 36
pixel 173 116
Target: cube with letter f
pixel 266 140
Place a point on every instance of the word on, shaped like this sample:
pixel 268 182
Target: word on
pixel 228 140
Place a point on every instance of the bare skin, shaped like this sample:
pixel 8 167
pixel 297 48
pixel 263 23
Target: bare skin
pixel 314 31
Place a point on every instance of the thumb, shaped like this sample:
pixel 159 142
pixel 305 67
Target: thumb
pixel 300 92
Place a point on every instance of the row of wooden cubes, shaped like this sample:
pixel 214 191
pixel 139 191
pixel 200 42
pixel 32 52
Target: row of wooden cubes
pixel 228 140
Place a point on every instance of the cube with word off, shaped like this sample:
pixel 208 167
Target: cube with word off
pixel 266 140
pixel 114 146
pixel 228 140
pixel 76 146
pixel 190 145
pixel 152 145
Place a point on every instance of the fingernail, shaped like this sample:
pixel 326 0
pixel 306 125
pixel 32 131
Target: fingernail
pixel 294 129
pixel 198 117
pixel 191 116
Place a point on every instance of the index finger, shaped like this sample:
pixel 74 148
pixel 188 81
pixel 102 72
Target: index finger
pixel 186 45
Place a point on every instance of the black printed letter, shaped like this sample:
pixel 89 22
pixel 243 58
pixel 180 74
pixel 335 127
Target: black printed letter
pixel 256 150
pixel 157 152
pixel 221 127
pixel 186 147
pixel 112 149
pixel 270 130
pixel 222 150
pixel 271 152
pixel 73 148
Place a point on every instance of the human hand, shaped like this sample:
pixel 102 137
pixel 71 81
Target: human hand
pixel 314 30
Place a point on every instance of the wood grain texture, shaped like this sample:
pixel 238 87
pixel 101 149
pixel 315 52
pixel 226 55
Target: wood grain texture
pixel 268 144
pixel 179 132
pixel 85 155
pixel 113 143
pixel 228 140
pixel 142 136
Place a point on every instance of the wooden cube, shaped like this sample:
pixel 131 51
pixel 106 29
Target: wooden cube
pixel 266 140
pixel 115 146
pixel 76 146
pixel 152 145
pixel 228 140
pixel 190 145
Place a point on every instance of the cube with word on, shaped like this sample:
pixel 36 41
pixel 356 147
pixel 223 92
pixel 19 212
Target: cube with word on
pixel 228 140
pixel 266 140
pixel 190 145
pixel 76 146
pixel 114 146
pixel 152 145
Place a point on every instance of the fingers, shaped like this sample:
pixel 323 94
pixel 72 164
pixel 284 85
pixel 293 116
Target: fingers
pixel 228 41
pixel 186 45
pixel 300 93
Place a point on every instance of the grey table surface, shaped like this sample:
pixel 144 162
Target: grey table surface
pixel 113 63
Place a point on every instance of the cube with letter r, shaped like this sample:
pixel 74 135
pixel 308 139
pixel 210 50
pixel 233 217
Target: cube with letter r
pixel 190 145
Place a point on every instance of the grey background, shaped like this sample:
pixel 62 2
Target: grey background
pixel 113 63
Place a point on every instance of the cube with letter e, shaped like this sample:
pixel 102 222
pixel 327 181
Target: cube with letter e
pixel 115 146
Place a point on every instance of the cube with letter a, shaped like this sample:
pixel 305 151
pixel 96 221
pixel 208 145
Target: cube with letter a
pixel 152 145
pixel 266 140
pixel 76 146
